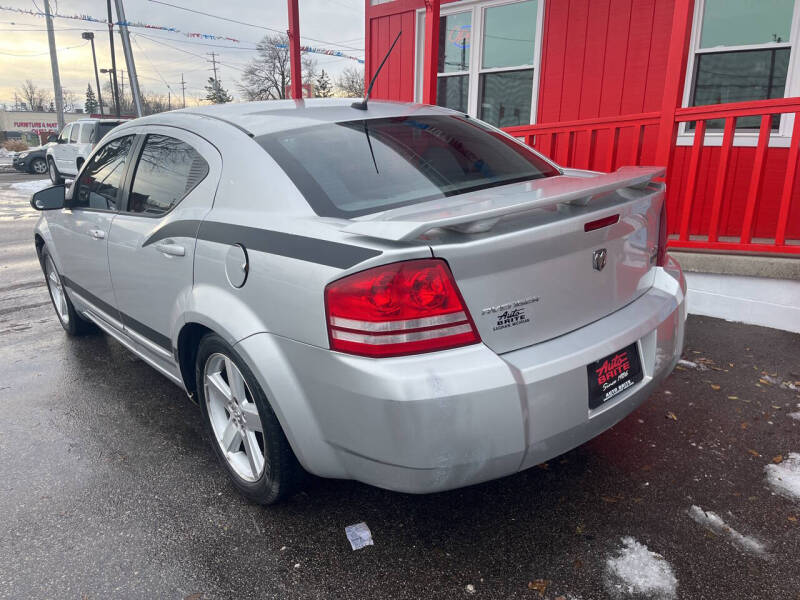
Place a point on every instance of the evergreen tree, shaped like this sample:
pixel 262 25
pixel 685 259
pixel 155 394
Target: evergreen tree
pixel 216 93
pixel 323 87
pixel 90 106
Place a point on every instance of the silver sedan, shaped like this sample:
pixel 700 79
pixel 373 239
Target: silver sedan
pixel 398 294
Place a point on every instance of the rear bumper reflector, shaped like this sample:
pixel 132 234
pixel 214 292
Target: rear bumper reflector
pixel 600 223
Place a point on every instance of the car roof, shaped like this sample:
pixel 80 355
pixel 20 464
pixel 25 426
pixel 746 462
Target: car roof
pixel 264 117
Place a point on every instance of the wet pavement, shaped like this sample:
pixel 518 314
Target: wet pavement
pixel 109 489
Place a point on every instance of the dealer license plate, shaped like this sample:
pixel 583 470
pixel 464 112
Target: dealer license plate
pixel 612 375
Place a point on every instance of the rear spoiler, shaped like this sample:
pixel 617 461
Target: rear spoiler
pixel 479 212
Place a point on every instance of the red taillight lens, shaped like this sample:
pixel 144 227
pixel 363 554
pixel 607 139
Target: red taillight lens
pixel 661 258
pixel 402 308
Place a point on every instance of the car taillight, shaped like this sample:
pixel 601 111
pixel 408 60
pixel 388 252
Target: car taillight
pixel 401 308
pixel 661 258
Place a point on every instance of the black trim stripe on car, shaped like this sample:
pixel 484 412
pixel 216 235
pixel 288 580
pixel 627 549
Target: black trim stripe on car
pixel 136 326
pixel 324 252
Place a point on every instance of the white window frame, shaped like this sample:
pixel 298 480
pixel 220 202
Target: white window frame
pixel 478 9
pixel 780 138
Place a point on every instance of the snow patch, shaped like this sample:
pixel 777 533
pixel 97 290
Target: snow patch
pixel 795 416
pixel 785 477
pixel 714 523
pixel 31 186
pixel 637 570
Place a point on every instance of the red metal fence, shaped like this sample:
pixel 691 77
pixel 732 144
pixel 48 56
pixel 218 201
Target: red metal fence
pixel 723 193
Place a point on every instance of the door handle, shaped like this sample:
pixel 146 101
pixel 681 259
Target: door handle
pixel 171 249
pixel 97 234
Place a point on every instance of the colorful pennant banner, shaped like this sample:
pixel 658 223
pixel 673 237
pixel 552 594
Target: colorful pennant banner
pixel 326 51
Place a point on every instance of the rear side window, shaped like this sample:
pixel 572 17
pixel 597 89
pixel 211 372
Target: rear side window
pixel 73 136
pixel 168 170
pixel 102 129
pixel 87 129
pixel 354 168
pixel 100 181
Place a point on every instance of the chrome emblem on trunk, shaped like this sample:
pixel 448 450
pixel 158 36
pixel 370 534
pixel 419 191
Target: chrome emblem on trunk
pixel 599 259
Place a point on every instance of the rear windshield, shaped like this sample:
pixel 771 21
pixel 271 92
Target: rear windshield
pixel 359 167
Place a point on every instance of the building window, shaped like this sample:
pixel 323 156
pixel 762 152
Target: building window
pixel 741 51
pixel 488 59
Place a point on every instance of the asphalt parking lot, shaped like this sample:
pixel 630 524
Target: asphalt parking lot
pixel 110 489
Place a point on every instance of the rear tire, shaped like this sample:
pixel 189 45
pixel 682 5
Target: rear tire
pixel 69 318
pixel 245 433
pixel 55 176
pixel 38 166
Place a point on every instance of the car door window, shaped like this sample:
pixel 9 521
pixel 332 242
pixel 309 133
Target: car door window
pixel 73 136
pixel 168 169
pixel 63 137
pixel 101 180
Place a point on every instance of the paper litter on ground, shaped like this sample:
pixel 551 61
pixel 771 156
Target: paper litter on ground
pixel 359 535
pixel 637 570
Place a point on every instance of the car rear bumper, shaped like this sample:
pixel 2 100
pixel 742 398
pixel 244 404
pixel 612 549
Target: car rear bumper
pixel 444 420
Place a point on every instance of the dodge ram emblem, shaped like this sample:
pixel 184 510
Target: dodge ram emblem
pixel 599 259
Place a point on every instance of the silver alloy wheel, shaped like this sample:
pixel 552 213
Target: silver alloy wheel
pixel 234 417
pixel 57 291
pixel 39 166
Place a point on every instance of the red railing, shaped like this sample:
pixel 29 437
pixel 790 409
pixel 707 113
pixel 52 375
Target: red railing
pixel 713 206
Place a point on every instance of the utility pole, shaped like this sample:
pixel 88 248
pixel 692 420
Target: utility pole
pixel 169 100
pixel 122 87
pixel 294 50
pixel 214 63
pixel 183 90
pixel 51 38
pixel 88 35
pixel 126 48
pixel 114 88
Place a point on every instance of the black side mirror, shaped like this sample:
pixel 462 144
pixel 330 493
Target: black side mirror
pixel 51 198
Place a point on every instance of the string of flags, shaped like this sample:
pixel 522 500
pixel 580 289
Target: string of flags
pixel 326 51
pixel 91 19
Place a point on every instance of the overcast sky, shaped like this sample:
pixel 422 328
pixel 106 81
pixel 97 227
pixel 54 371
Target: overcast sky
pixel 162 56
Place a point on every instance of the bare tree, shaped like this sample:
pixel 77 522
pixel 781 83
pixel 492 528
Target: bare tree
pixel 36 98
pixel 69 100
pixel 350 83
pixel 267 75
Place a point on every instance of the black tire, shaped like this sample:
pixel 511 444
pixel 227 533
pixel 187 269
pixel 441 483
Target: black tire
pixel 38 166
pixel 74 324
pixel 52 170
pixel 282 474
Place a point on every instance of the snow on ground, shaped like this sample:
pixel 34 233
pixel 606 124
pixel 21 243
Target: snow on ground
pixel 795 416
pixel 714 523
pixel 637 570
pixel 31 186
pixel 785 477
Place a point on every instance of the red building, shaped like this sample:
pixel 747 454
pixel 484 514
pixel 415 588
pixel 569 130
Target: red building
pixel 708 87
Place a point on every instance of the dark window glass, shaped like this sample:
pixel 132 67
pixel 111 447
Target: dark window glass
pixel 99 185
pixel 362 167
pixel 167 170
pixel 452 92
pixel 722 77
pixel 505 98
pixel 102 129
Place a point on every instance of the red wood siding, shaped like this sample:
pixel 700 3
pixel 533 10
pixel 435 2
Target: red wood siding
pixel 396 81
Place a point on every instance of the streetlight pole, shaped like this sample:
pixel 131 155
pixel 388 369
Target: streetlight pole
pixel 54 66
pixel 114 88
pixel 88 35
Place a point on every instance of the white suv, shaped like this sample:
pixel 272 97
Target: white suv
pixel 75 142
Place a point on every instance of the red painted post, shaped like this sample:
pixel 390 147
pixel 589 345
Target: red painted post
pixel 431 62
pixel 788 183
pixel 677 54
pixel 691 182
pixel 755 179
pixel 294 50
pixel 722 175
